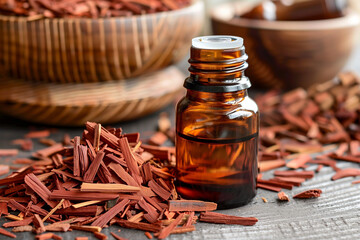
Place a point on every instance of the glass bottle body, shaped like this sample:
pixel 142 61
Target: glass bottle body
pixel 217 142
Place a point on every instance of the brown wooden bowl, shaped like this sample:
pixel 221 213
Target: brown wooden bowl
pixel 289 54
pixel 73 104
pixel 93 50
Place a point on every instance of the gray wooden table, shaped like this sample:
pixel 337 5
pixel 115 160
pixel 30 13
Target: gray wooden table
pixel 335 215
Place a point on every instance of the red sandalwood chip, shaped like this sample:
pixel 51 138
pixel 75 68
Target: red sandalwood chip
pixel 312 193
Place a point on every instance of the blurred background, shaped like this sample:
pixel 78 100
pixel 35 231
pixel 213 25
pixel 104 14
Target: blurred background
pixel 115 61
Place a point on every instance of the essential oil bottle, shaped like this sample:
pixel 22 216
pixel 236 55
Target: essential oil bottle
pixel 217 125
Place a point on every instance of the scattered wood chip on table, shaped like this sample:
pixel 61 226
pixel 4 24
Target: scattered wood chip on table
pixel 312 193
pixel 283 196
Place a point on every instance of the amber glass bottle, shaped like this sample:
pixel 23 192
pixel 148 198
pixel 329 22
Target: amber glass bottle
pixel 217 125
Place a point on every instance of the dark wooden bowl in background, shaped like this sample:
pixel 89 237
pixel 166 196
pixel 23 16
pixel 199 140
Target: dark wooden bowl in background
pixel 289 54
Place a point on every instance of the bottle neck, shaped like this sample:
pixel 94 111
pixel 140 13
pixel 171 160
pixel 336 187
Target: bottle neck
pixel 220 70
pixel 223 98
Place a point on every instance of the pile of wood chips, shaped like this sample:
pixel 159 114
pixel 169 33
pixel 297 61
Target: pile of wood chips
pixel 298 123
pixel 36 9
pixel 104 178
pixel 108 177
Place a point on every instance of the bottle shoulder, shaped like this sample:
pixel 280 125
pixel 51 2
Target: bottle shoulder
pixel 251 104
pixel 246 104
pixel 217 120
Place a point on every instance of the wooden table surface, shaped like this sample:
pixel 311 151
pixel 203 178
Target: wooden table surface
pixel 335 215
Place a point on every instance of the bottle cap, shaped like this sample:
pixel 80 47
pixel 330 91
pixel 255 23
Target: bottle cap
pixel 217 42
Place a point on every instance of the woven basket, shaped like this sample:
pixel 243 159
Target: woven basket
pixel 74 104
pixel 94 50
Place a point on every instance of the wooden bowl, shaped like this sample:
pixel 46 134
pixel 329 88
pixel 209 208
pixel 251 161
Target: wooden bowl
pixel 289 54
pixel 94 50
pixel 73 104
